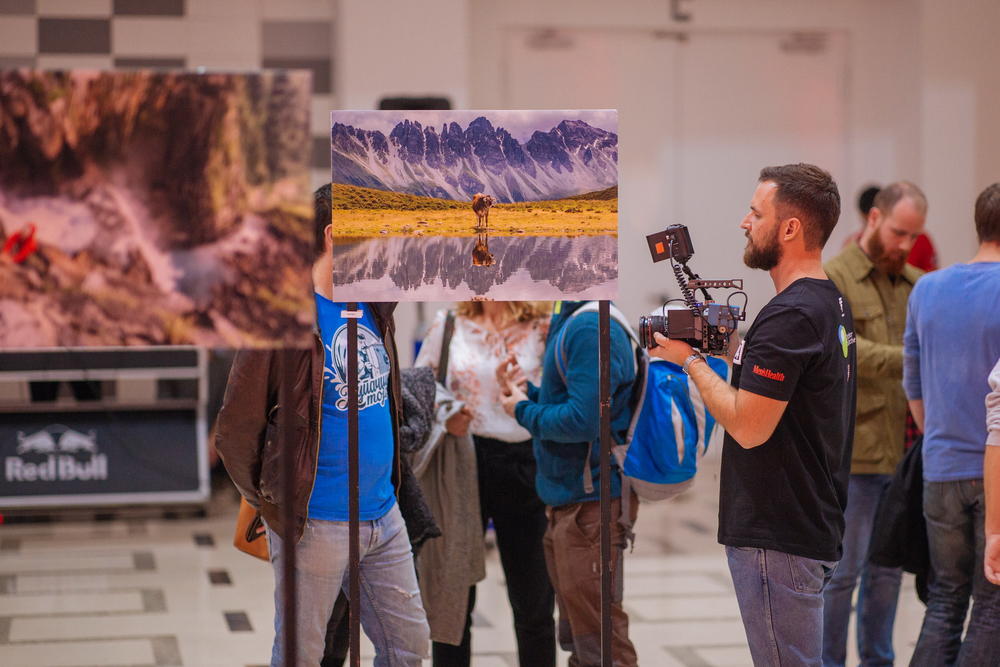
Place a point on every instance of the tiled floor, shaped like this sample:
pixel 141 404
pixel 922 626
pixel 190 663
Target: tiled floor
pixel 174 592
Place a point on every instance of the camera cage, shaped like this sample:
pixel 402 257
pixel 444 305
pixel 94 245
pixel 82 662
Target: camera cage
pixel 674 244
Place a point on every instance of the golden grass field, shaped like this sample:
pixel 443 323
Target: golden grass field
pixel 363 212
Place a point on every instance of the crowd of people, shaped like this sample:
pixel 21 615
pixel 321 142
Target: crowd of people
pixel 851 365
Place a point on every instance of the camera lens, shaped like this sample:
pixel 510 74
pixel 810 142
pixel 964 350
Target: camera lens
pixel 648 325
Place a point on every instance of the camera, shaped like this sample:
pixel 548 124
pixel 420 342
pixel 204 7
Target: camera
pixel 705 325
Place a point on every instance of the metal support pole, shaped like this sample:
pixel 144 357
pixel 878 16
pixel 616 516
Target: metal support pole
pixel 354 531
pixel 287 374
pixel 604 350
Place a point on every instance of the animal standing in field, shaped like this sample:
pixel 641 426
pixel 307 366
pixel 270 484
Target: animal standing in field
pixel 481 207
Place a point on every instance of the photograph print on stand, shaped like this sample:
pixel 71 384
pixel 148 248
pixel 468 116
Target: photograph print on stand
pixel 475 205
pixel 154 208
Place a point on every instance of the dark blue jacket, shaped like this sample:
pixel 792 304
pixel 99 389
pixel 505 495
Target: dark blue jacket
pixel 564 418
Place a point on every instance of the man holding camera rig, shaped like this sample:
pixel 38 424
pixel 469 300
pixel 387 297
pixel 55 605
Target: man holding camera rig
pixel 789 420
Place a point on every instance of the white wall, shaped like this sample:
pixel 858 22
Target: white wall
pixel 959 115
pixel 387 47
pixel 922 83
pixel 883 89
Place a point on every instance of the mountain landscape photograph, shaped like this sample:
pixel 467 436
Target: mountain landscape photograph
pixel 418 196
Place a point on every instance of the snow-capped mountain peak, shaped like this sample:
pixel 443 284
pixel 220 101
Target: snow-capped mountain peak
pixel 451 163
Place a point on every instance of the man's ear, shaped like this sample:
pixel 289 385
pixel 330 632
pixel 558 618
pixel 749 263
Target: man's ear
pixel 328 237
pixel 791 228
pixel 874 219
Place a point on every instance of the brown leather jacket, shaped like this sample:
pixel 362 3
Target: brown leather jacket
pixel 253 428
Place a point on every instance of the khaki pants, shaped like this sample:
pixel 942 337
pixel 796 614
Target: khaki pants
pixel 573 557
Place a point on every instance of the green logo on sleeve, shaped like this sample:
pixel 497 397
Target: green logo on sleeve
pixel 844 343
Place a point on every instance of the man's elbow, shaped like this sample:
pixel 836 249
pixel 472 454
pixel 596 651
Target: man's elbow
pixel 749 438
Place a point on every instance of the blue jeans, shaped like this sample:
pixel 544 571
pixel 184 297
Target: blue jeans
pixel 392 613
pixel 781 602
pixel 955 514
pixel 879 585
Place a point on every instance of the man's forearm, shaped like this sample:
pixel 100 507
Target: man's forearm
pixel 719 396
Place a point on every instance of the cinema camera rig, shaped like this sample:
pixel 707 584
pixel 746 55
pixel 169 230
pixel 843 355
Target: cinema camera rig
pixel 704 325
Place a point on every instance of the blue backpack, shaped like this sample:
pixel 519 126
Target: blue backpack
pixel 670 427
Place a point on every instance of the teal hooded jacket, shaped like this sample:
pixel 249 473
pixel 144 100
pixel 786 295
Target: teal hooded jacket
pixel 564 418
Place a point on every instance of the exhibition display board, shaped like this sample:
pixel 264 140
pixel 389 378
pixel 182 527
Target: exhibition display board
pixel 154 208
pixel 475 205
pixel 136 436
pixel 415 208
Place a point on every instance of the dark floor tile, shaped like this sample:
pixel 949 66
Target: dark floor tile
pixel 204 540
pixel 322 70
pixel 166 651
pixel 151 63
pixel 153 600
pixel 149 7
pixel 16 62
pixel 321 153
pixel 74 35
pixel 219 578
pixel 17 7
pixel 144 561
pixel 238 621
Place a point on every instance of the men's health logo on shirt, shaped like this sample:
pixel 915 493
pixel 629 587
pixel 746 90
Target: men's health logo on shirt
pixel 846 339
pixel 373 368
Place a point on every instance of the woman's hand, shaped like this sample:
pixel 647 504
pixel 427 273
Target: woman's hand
pixel 458 423
pixel 510 400
pixel 510 376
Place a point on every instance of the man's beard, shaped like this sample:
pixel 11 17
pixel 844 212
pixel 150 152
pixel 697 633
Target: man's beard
pixel 765 256
pixel 891 265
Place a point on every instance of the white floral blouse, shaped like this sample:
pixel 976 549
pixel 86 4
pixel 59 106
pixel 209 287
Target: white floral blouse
pixel 474 356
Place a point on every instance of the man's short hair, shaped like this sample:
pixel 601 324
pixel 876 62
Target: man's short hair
pixel 324 216
pixel 809 193
pixel 890 195
pixel 867 198
pixel 988 214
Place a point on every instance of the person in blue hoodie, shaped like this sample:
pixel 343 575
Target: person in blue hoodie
pixel 563 417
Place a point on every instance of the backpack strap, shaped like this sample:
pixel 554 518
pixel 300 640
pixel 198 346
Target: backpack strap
pixel 625 518
pixel 641 368
pixel 590 307
pixel 449 329
pixel 561 364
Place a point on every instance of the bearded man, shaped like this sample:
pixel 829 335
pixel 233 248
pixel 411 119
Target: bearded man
pixel 789 420
pixel 874 277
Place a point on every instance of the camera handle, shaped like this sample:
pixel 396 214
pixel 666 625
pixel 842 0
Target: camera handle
pixel 686 286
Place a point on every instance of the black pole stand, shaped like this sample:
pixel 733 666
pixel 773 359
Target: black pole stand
pixel 604 350
pixel 354 532
pixel 287 361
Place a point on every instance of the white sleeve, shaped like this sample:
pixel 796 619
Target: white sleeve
pixel 993 408
pixel 430 349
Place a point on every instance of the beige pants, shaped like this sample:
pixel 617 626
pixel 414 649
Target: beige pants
pixel 573 557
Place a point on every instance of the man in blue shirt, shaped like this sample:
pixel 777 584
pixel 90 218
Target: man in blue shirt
pixel 254 432
pixel 563 417
pixel 951 342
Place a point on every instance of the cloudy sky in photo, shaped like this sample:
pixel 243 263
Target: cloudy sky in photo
pixel 521 124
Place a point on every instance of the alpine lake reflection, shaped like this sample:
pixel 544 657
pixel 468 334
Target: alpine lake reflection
pixel 481 267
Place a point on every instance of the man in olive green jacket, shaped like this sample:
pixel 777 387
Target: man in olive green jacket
pixel 874 277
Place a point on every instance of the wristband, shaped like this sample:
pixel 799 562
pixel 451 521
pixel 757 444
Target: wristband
pixel 696 356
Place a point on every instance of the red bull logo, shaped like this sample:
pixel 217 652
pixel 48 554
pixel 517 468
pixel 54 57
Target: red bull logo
pixel 54 454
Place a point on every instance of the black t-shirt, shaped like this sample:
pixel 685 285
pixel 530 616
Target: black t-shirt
pixel 789 493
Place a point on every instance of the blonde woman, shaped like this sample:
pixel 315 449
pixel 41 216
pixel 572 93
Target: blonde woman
pixel 485 334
